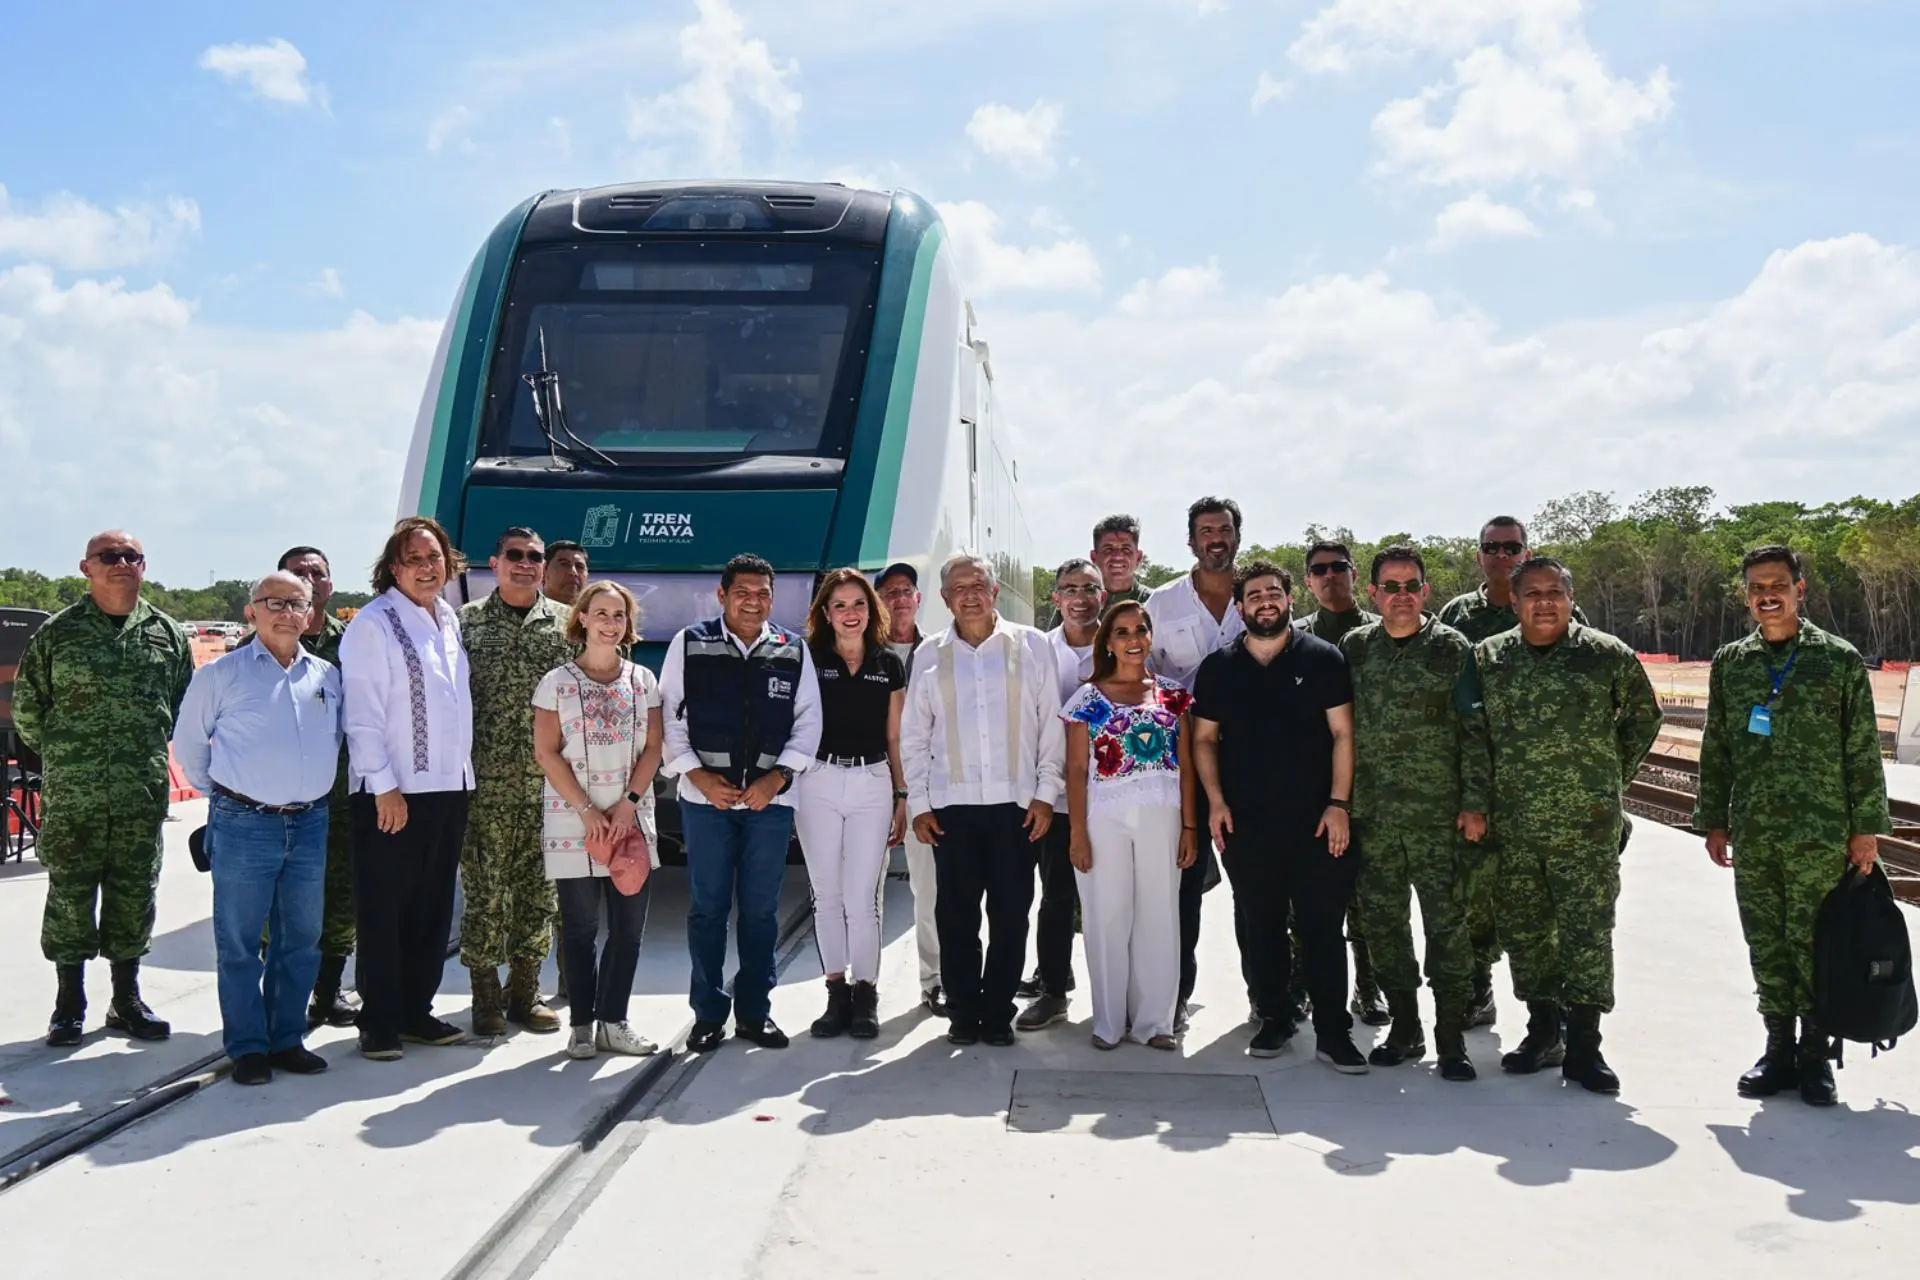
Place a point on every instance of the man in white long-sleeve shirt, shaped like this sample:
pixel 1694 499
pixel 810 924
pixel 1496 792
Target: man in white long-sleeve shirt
pixel 740 707
pixel 983 748
pixel 409 720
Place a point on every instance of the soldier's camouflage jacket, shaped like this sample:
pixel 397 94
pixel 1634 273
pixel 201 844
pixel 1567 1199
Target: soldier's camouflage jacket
pixel 1420 745
pixel 1818 777
pixel 510 655
pixel 1478 618
pixel 1333 627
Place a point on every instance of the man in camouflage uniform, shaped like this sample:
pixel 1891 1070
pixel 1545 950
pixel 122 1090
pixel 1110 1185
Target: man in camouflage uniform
pixel 96 695
pixel 1479 615
pixel 1421 784
pixel 1792 781
pixel 1570 714
pixel 514 638
pixel 1331 579
pixel 333 1003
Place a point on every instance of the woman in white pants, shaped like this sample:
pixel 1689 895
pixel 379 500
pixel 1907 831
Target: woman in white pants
pixel 851 806
pixel 1130 793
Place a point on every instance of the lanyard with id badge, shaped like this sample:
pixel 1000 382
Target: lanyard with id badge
pixel 1760 720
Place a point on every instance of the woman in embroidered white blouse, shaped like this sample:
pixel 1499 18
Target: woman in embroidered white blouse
pixel 596 733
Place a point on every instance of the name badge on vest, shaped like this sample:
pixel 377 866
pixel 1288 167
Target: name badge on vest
pixel 1761 721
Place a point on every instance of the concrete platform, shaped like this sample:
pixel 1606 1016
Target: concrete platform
pixel 1903 782
pixel 906 1156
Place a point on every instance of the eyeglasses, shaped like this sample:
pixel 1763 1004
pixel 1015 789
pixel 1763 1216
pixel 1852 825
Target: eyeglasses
pixel 1393 588
pixel 1086 593
pixel 1326 567
pixel 532 555
pixel 283 604
pixel 134 558
pixel 1502 548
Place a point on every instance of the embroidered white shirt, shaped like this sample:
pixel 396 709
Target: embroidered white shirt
pixel 409 714
pixel 982 725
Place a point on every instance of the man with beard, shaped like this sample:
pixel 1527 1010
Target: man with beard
pixel 1273 742
pixel 1193 616
pixel 1077 598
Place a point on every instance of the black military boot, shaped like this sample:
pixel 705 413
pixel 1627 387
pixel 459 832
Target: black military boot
pixel 1482 1012
pixel 1367 1004
pixel 128 1012
pixel 331 1003
pixel 1779 1066
pixel 1542 1047
pixel 1450 1039
pixel 866 1011
pixel 839 1015
pixel 1816 1066
pixel 1407 1041
pixel 1584 1065
pixel 69 1019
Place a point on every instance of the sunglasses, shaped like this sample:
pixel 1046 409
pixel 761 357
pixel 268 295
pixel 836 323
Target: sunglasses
pixel 283 604
pixel 1391 588
pixel 1502 548
pixel 1326 567
pixel 134 558
pixel 532 555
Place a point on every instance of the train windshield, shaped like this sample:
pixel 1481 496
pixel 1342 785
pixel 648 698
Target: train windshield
pixel 658 352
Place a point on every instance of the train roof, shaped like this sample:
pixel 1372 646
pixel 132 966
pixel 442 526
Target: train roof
pixel 753 210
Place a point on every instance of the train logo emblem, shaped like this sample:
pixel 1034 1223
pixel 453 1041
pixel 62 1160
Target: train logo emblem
pixel 602 528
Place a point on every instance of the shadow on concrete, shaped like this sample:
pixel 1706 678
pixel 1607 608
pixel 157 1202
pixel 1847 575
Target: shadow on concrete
pixel 1833 1160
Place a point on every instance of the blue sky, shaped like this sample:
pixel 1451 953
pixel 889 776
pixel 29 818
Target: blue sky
pixel 1380 263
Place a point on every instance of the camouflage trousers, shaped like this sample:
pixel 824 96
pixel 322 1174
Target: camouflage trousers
pixel 1557 899
pixel 99 855
pixel 1433 865
pixel 1482 886
pixel 510 903
pixel 336 918
pixel 1780 886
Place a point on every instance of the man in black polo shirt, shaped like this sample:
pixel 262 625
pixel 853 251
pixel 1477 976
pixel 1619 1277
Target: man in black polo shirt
pixel 1273 740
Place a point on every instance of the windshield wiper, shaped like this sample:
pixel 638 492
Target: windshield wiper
pixel 551 413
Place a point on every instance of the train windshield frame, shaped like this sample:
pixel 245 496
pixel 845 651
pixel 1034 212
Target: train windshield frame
pixel 670 352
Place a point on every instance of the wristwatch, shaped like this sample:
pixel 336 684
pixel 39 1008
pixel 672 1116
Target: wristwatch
pixel 633 797
pixel 1345 805
pixel 786 775
pixel 900 793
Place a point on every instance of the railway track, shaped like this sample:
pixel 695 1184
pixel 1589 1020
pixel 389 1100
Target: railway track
pixel 1668 786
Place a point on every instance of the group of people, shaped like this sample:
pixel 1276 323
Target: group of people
pixel 1123 760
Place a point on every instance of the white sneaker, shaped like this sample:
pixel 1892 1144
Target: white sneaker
pixel 618 1037
pixel 581 1045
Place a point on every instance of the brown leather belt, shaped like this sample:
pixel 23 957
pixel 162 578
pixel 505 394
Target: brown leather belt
pixel 251 803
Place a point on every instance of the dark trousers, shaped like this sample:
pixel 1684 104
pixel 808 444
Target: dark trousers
pixel 1193 883
pixel 600 990
pixel 1059 899
pixel 983 852
pixel 403 905
pixel 1275 872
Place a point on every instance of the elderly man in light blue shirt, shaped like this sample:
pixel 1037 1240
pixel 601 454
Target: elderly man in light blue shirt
pixel 259 733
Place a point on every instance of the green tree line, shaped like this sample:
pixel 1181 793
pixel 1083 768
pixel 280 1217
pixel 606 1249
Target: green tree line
pixel 223 601
pixel 1663 572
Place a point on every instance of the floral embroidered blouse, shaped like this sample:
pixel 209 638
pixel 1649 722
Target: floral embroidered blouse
pixel 1135 756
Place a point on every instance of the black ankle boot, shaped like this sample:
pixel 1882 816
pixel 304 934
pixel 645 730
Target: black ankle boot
pixel 1816 1066
pixel 1543 1046
pixel 839 1015
pixel 128 1012
pixel 331 1004
pixel 69 1019
pixel 1367 1003
pixel 1584 1064
pixel 1407 1041
pixel 865 1021
pixel 1482 1012
pixel 1450 1042
pixel 1779 1066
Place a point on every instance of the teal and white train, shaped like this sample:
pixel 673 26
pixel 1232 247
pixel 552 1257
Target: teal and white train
pixel 673 373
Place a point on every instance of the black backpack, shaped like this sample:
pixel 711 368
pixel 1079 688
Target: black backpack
pixel 1863 963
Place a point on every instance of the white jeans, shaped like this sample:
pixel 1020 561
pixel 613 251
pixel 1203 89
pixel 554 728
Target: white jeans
pixel 1130 920
pixel 841 816
pixel 926 931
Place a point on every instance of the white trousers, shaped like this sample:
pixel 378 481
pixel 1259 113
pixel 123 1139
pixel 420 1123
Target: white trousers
pixel 926 933
pixel 841 816
pixel 1130 920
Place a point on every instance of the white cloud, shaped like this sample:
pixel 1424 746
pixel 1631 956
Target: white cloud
pixel 1529 98
pixel 1806 373
pixel 729 70
pixel 1266 89
pixel 1022 140
pixel 450 129
pixel 217 445
pixel 1478 218
pixel 990 265
pixel 275 71
pixel 328 284
pixel 1177 290
pixel 66 231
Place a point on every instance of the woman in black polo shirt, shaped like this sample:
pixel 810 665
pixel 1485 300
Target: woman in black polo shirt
pixel 851 806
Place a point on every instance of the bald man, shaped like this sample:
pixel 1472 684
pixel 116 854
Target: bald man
pixel 96 696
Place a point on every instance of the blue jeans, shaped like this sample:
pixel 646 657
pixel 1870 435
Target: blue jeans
pixel 268 869
pixel 734 853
